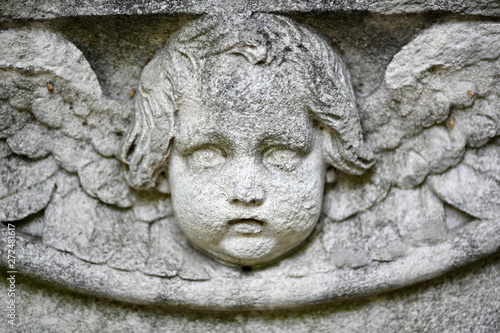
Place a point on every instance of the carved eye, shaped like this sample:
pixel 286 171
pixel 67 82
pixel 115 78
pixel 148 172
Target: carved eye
pixel 282 159
pixel 207 158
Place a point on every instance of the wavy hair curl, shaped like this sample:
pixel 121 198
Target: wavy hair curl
pixel 264 40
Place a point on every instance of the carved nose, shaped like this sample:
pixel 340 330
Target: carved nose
pixel 248 191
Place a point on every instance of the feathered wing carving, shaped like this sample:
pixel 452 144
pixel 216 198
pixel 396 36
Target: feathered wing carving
pixel 59 136
pixel 434 126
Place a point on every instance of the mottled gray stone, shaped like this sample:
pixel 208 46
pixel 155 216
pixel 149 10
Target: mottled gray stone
pixel 478 177
pixel 25 188
pixel 465 301
pixel 379 218
pixel 38 9
pixel 107 202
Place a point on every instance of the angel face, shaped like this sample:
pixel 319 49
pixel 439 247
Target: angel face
pixel 247 168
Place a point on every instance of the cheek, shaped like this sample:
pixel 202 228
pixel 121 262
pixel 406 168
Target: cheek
pixel 297 199
pixel 297 206
pixel 194 199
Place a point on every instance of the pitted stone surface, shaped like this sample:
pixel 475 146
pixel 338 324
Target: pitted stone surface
pixel 429 204
pixel 37 9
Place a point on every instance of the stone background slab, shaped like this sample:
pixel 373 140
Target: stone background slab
pixel 40 9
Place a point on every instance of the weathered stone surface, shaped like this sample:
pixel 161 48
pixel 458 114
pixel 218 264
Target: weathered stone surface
pixel 381 218
pixel 466 301
pixel 474 186
pixel 428 111
pixel 25 188
pixel 52 9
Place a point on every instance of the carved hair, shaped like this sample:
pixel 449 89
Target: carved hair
pixel 264 40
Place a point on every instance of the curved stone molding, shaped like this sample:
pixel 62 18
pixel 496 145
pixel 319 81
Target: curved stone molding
pixel 429 204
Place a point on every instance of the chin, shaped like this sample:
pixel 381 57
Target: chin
pixel 248 250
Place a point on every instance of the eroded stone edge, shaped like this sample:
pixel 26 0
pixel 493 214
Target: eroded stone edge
pixel 468 244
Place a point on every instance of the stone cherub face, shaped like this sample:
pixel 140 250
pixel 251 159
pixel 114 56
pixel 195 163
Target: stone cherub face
pixel 247 168
pixel 245 132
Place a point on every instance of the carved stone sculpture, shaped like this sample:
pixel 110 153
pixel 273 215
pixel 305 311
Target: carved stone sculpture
pixel 244 124
pixel 246 142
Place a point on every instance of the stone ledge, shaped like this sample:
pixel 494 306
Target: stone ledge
pixel 51 9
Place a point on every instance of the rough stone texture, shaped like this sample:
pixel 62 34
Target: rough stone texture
pixel 426 87
pixel 245 147
pixel 360 240
pixel 466 301
pixel 39 9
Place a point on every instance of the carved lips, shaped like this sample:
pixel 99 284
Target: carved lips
pixel 246 226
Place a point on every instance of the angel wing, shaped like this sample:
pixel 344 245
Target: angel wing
pixel 60 178
pixel 434 125
pixel 430 203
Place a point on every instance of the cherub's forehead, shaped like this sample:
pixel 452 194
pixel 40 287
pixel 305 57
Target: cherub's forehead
pixel 231 81
pixel 278 119
pixel 196 127
pixel 235 98
pixel 232 109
